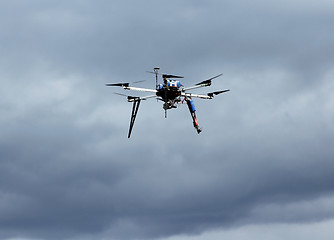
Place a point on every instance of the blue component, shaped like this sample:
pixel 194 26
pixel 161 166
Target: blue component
pixel 191 105
pixel 172 83
pixel 160 86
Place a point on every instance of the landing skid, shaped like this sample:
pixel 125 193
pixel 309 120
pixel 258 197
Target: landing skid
pixel 192 111
pixel 135 107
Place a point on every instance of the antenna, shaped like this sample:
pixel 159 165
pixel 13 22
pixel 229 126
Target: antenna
pixel 156 71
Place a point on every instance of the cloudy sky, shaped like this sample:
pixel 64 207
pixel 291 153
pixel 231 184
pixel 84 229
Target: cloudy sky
pixel 261 169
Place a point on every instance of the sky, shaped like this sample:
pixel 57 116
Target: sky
pixel 261 168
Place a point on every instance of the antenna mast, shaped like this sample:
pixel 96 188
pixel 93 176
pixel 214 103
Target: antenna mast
pixel 156 71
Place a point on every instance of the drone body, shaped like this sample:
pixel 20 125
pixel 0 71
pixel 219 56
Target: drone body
pixel 171 92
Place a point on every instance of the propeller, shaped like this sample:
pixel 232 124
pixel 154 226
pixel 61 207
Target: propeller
pixel 170 76
pixel 122 84
pixel 130 98
pixel 118 84
pixel 217 92
pixel 208 82
pixel 165 75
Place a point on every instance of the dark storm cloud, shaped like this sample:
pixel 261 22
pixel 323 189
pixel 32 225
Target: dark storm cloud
pixel 67 170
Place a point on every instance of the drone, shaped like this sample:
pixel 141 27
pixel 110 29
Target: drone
pixel 171 92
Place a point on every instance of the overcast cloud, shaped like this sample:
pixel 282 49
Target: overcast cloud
pixel 263 165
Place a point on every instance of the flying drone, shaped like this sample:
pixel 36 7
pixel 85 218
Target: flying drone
pixel 171 92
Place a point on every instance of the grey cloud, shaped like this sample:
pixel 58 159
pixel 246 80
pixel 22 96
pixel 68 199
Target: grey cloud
pixel 67 170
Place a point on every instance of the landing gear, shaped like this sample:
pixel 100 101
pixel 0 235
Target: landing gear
pixel 192 110
pixel 135 107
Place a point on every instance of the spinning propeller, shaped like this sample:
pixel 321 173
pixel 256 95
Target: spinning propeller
pixel 217 92
pixel 165 75
pixel 123 84
pixel 130 98
pixel 208 82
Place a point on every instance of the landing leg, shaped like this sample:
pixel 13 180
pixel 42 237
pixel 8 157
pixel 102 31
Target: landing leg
pixel 192 110
pixel 135 107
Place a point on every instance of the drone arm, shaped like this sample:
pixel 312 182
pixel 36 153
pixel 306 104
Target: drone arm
pixel 197 86
pixel 207 96
pixel 127 87
pixel 132 99
pixel 196 95
pixel 140 89
pixel 147 97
